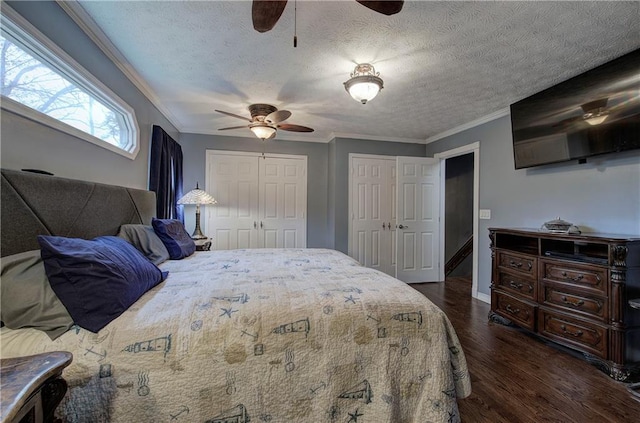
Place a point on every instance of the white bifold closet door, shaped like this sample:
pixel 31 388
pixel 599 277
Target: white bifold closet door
pixel 373 212
pixel 261 200
pixel 394 215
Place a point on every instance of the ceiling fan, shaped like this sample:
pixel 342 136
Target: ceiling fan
pixel 265 13
pixel 265 121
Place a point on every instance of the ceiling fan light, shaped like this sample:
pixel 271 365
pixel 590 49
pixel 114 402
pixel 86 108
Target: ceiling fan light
pixel 263 131
pixel 596 120
pixel 364 84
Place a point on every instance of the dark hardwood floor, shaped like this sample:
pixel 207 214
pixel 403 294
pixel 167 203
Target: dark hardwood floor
pixel 517 378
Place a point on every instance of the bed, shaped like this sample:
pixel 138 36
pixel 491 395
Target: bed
pixel 264 335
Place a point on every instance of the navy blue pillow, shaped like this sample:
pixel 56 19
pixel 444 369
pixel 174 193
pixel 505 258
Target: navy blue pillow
pixel 97 280
pixel 174 237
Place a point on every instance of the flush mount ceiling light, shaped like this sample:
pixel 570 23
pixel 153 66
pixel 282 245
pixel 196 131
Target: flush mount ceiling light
pixel 365 83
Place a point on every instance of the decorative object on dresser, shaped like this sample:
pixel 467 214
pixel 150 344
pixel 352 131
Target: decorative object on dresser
pixel 198 197
pixel 32 387
pixel 571 289
pixel 560 226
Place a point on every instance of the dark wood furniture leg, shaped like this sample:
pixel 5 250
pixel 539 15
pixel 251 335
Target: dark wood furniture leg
pixel 634 388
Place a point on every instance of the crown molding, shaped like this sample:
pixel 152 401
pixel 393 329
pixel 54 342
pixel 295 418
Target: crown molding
pixel 77 13
pixel 488 118
pixel 375 138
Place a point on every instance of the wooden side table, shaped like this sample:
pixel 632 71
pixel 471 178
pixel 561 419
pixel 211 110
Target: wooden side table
pixel 31 387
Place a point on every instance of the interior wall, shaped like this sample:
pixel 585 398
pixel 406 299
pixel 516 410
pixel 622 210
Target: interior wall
pixel 194 147
pixel 340 187
pixel 28 144
pixel 602 195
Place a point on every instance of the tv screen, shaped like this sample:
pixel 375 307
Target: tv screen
pixel 594 113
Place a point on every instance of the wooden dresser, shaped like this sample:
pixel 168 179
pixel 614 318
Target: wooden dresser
pixel 572 290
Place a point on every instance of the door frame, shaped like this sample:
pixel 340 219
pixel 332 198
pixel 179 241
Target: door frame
pixel 455 152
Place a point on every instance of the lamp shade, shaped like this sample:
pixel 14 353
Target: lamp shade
pixel 197 196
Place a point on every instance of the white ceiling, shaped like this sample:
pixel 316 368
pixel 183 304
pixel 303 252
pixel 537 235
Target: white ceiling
pixel 444 64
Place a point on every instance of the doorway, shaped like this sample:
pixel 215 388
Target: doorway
pixel 474 149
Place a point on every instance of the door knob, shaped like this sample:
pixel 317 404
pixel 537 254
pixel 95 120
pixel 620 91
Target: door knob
pixel 403 226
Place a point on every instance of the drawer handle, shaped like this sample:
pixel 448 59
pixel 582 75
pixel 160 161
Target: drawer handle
pixel 578 303
pixel 568 332
pixel 514 264
pixel 514 285
pixel 576 279
pixel 512 310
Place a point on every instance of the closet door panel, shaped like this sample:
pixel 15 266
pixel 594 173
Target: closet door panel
pixel 372 211
pixel 233 182
pixel 283 202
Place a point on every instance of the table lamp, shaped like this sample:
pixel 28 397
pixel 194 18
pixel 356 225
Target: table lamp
pixel 197 196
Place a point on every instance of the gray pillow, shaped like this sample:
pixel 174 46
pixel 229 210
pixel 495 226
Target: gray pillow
pixel 27 300
pixel 144 238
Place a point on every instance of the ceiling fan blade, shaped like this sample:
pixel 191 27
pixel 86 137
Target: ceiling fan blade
pixel 235 116
pixel 233 127
pixel 294 128
pixel 265 13
pixel 385 7
pixel 277 116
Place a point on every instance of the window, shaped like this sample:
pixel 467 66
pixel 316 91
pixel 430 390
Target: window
pixel 41 82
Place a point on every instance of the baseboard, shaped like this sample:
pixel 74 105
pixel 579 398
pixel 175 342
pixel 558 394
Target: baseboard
pixel 483 297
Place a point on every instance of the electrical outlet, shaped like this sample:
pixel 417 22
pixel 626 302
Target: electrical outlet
pixel 485 214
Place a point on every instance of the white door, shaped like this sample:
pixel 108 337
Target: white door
pixel 372 225
pixel 283 203
pixel 418 218
pixel 233 181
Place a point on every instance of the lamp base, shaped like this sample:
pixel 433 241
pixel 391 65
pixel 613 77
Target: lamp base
pixel 197 232
pixel 198 235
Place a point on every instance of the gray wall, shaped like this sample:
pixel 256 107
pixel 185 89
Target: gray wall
pixel 27 144
pixel 602 195
pixel 327 181
pixel 194 147
pixel 339 187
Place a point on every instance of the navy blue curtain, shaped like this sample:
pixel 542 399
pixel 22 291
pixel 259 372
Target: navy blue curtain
pixel 165 174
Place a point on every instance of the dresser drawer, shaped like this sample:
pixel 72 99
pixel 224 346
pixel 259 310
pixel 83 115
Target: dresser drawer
pixel 574 300
pixel 584 276
pixel 521 285
pixel 515 262
pixel 583 335
pixel 520 312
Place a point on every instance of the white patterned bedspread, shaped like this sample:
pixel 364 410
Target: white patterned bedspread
pixel 294 335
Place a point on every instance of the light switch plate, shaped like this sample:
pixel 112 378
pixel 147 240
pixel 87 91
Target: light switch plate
pixel 485 214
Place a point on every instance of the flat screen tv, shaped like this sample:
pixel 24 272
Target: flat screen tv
pixel 597 112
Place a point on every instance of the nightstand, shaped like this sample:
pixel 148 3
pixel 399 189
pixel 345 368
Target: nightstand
pixel 31 387
pixel 203 244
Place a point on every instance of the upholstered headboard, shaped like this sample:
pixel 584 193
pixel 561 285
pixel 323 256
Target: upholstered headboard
pixel 34 204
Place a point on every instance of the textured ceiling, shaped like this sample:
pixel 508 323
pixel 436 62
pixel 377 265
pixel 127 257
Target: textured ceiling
pixel 444 64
